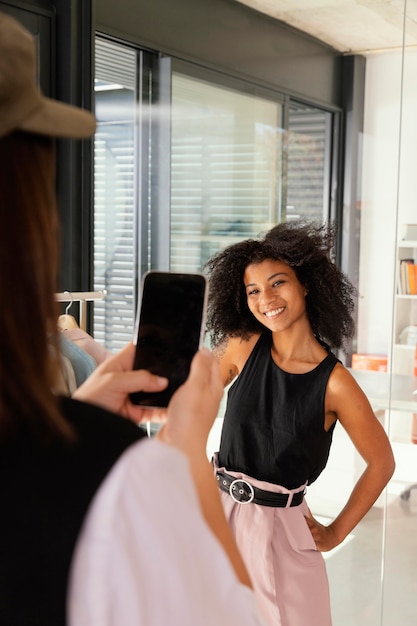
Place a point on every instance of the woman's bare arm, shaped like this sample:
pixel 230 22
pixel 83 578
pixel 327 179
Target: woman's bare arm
pixel 347 401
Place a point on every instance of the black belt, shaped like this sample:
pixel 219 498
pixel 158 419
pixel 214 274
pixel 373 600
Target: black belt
pixel 243 492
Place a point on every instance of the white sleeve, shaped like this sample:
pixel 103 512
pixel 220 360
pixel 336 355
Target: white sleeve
pixel 145 555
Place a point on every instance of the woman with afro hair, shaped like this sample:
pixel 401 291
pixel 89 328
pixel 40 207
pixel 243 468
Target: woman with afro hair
pixel 278 306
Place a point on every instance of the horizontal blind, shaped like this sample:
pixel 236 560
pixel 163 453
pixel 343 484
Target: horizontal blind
pixel 115 193
pixel 115 64
pixel 225 162
pixel 308 154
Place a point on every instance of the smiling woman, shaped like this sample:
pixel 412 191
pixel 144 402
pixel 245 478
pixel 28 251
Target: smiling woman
pixel 277 307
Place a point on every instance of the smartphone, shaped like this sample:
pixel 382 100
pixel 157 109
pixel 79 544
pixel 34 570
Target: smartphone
pixel 170 327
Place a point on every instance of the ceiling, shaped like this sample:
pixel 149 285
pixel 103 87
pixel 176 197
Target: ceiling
pixel 350 26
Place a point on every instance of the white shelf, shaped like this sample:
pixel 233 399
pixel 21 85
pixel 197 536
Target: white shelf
pixel 405 308
pixel 407 243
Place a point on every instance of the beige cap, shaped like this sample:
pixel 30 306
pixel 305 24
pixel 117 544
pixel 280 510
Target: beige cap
pixel 22 105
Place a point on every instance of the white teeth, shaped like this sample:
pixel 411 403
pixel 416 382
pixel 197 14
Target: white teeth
pixel 274 312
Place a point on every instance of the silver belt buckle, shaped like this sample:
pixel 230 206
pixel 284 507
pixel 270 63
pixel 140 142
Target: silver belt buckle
pixel 241 491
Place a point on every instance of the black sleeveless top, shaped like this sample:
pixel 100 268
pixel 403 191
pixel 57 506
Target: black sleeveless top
pixel 273 427
pixel 45 495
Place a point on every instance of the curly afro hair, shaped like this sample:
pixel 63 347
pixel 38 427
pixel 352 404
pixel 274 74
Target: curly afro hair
pixel 307 249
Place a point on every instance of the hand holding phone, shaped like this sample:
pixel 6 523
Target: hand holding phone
pixel 169 330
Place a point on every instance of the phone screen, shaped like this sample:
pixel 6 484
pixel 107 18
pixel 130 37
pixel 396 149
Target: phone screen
pixel 170 330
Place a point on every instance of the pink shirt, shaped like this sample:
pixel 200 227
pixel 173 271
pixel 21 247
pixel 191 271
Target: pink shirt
pixel 145 555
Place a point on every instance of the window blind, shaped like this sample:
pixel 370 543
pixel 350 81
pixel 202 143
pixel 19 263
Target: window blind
pixel 115 193
pixel 308 163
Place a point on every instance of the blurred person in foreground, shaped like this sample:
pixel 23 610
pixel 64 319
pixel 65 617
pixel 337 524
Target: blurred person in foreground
pixel 100 525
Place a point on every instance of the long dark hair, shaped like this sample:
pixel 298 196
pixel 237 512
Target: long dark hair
pixel 28 270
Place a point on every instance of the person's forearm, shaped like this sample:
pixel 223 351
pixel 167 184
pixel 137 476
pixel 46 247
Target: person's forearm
pixel 210 502
pixel 190 417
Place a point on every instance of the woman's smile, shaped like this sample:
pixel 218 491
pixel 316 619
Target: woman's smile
pixel 274 312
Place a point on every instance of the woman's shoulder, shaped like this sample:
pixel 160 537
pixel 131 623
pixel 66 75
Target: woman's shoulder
pixel 342 388
pixel 232 354
pixel 243 343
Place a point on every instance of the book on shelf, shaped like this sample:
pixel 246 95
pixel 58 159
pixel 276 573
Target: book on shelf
pixel 408 277
pixel 412 278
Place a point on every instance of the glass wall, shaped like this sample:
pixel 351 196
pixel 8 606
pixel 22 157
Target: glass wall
pixel 392 136
pixel 373 574
pixel 240 160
